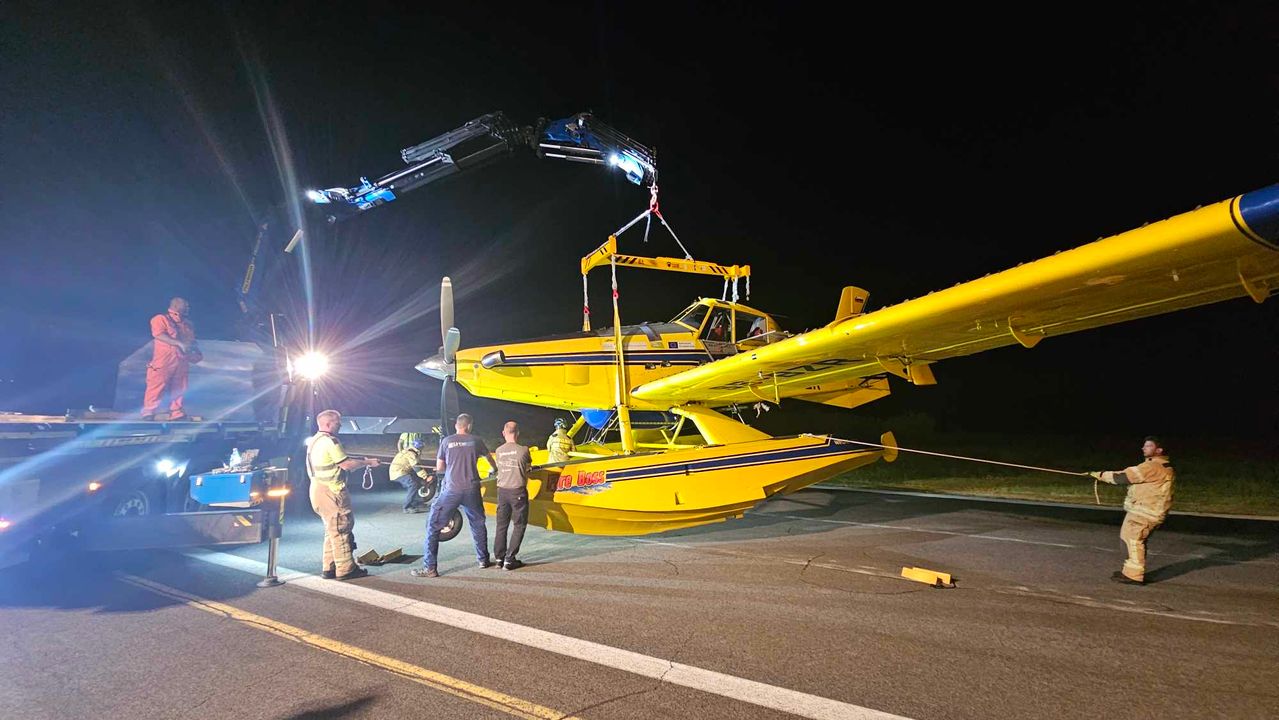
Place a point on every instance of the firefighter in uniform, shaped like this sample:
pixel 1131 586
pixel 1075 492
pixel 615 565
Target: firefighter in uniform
pixel 406 471
pixel 559 444
pixel 1147 503
pixel 327 465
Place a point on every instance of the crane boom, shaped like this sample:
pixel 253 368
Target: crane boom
pixel 579 138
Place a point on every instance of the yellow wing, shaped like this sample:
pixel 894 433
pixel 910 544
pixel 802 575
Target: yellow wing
pixel 1226 250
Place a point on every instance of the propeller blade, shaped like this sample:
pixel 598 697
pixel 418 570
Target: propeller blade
pixel 446 311
pixel 448 406
pixel 452 339
pixel 451 394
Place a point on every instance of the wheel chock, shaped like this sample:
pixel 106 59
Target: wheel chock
pixel 373 558
pixel 928 577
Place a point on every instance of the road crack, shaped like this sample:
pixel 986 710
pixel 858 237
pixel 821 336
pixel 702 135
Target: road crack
pixel 657 684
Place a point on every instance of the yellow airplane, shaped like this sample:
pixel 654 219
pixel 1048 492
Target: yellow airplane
pixel 661 456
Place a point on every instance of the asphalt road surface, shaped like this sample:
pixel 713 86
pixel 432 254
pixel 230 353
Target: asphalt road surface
pixel 796 610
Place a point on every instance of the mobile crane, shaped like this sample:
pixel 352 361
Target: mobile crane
pixel 580 138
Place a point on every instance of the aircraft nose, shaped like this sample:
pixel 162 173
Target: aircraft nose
pixel 435 367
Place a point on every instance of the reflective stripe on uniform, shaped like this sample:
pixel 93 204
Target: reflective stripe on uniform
pixel 329 473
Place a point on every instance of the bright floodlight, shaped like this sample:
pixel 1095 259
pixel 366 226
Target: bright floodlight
pixel 628 165
pixel 316 196
pixel 165 466
pixel 312 365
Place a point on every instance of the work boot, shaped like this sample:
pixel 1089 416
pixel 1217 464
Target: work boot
pixel 513 564
pixel 1123 579
pixel 424 573
pixel 148 418
pixel 328 573
pixel 358 572
pixel 485 565
pixel 414 510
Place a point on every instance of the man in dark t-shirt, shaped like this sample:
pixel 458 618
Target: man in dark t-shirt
pixel 456 463
pixel 513 466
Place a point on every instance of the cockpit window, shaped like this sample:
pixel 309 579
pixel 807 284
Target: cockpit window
pixel 693 316
pixel 749 325
pixel 717 330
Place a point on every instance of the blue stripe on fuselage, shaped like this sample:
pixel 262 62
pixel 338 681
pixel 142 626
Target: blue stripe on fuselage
pixel 764 457
pixel 635 357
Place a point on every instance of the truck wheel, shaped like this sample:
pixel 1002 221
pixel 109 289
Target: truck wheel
pixel 450 531
pixel 427 490
pixel 132 503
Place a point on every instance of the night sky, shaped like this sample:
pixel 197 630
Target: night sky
pixel 902 152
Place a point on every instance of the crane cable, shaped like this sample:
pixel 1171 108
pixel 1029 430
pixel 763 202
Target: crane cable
pixel 1096 494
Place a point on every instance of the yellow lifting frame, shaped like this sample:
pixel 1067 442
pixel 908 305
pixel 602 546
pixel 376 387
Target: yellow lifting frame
pixel 607 253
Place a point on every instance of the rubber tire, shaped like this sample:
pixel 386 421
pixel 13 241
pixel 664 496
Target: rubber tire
pixel 427 491
pixel 135 503
pixel 454 527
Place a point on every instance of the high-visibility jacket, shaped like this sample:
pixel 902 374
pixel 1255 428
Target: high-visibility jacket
pixel 403 462
pixel 1149 487
pixel 558 446
pixel 324 457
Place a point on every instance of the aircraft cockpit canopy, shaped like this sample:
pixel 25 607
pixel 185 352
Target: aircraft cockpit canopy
pixel 722 322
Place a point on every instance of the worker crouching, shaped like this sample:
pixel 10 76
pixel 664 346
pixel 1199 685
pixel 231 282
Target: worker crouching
pixel 406 471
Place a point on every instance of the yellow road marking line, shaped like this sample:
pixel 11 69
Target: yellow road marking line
pixel 434 680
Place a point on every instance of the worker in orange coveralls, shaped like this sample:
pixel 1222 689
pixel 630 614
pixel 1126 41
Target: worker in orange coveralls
pixel 175 350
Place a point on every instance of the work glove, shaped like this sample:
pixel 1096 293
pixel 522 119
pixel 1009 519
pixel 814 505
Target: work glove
pixel 1096 475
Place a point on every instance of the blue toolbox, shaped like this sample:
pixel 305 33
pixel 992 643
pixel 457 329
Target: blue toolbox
pixel 241 489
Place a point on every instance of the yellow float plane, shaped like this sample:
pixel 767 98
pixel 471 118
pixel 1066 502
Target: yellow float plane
pixel 661 456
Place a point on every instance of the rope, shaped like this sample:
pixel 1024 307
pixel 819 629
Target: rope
pixel 734 289
pixel 368 478
pixel 586 306
pixel 724 295
pixel 956 457
pixel 748 288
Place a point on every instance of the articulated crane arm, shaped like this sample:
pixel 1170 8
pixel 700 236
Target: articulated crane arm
pixel 580 138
